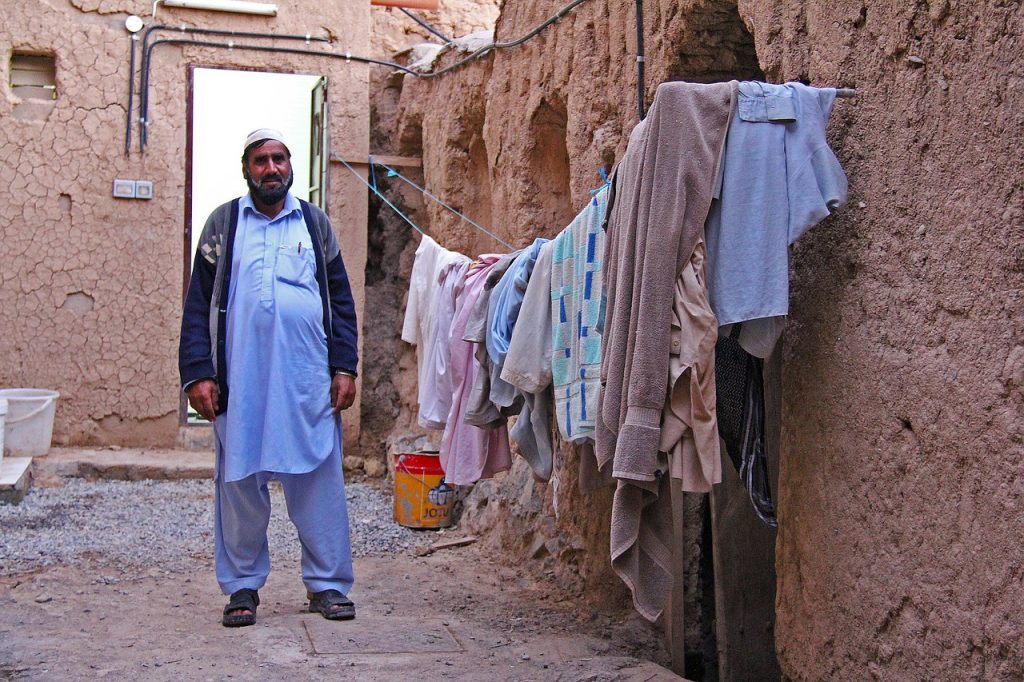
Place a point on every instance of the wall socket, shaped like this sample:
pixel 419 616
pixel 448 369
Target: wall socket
pixel 132 189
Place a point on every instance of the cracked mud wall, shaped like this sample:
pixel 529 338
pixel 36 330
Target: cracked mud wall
pixel 903 367
pixel 899 553
pixel 91 286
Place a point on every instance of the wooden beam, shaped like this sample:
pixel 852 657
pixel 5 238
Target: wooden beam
pixel 675 624
pixel 403 161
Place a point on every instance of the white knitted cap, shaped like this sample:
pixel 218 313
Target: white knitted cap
pixel 265 134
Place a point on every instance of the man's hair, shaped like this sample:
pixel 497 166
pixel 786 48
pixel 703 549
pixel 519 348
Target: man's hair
pixel 256 145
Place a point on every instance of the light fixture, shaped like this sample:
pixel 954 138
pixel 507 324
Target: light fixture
pixel 237 6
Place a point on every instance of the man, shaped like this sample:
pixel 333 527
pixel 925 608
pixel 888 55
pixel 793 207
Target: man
pixel 269 318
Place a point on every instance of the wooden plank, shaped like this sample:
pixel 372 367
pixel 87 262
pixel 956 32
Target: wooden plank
pixel 403 161
pixel 446 544
pixel 411 4
pixel 744 561
pixel 675 626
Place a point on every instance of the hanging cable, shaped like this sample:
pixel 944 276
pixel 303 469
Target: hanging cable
pixel 641 96
pixel 376 191
pixel 502 45
pixel 424 24
pixel 131 96
pixel 147 54
pixel 144 95
pixel 393 173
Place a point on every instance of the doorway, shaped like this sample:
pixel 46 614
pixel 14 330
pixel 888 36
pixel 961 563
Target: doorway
pixel 224 106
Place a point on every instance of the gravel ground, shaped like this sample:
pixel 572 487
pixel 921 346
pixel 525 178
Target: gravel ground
pixel 165 524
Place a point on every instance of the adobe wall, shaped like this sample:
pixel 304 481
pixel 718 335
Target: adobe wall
pixel 90 286
pixel 899 553
pixel 903 367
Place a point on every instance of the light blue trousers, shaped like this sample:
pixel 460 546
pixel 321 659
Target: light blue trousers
pixel 316 505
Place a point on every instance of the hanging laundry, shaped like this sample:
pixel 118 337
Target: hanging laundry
pixel 423 316
pixel 480 410
pixel 779 179
pixel 576 286
pixel 470 453
pixel 660 197
pixel 689 428
pixel 741 420
pixel 527 367
pixel 503 313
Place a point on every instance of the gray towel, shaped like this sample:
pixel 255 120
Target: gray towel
pixel 661 194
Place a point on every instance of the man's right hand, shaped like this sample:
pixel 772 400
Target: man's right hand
pixel 203 396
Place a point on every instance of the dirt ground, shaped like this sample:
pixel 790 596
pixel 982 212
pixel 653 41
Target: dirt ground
pixel 453 614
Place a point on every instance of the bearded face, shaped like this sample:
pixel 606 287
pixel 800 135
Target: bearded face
pixel 268 172
pixel 270 188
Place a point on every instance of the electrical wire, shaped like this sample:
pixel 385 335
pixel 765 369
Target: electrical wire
pixel 502 45
pixel 641 96
pixel 424 24
pixel 147 51
pixel 131 96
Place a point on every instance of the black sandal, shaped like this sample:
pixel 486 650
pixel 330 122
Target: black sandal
pixel 244 599
pixel 332 605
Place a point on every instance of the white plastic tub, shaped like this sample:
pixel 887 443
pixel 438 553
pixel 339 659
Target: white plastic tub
pixel 28 426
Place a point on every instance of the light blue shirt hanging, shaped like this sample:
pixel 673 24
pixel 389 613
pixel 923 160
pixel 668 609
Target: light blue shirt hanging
pixel 280 418
pixel 779 179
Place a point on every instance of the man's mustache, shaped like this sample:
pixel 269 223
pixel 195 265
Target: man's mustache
pixel 270 178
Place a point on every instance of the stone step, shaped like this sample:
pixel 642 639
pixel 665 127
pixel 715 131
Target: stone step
pixel 15 479
pixel 124 464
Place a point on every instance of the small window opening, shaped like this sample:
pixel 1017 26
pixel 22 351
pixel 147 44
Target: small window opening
pixel 33 76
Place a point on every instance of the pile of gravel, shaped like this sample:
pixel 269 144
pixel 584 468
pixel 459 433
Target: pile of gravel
pixel 166 525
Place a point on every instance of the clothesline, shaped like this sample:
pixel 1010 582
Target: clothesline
pixel 372 186
pixel 641 328
pixel 393 173
pixel 374 189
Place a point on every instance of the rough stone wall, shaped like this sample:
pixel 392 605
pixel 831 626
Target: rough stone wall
pixel 898 553
pixel 903 365
pixel 90 286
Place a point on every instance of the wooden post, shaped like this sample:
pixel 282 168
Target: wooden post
pixel 675 626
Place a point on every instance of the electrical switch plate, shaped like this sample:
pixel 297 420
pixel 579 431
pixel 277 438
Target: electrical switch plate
pixel 143 189
pixel 124 189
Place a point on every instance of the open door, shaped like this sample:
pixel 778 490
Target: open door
pixel 319 154
pixel 224 105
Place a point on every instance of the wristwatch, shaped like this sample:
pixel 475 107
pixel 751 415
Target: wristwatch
pixel 344 372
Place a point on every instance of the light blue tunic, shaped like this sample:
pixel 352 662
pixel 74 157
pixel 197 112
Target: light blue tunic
pixel 279 418
pixel 779 179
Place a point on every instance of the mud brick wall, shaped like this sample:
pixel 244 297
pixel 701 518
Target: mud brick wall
pixel 90 286
pixel 898 553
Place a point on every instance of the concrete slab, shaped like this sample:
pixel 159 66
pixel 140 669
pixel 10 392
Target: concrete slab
pixel 125 464
pixel 379 635
pixel 15 479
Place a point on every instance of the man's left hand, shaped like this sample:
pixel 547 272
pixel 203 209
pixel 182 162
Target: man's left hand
pixel 343 392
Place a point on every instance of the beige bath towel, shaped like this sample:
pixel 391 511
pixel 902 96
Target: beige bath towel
pixel 662 192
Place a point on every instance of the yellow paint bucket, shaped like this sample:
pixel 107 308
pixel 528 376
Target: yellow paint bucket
pixel 422 500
